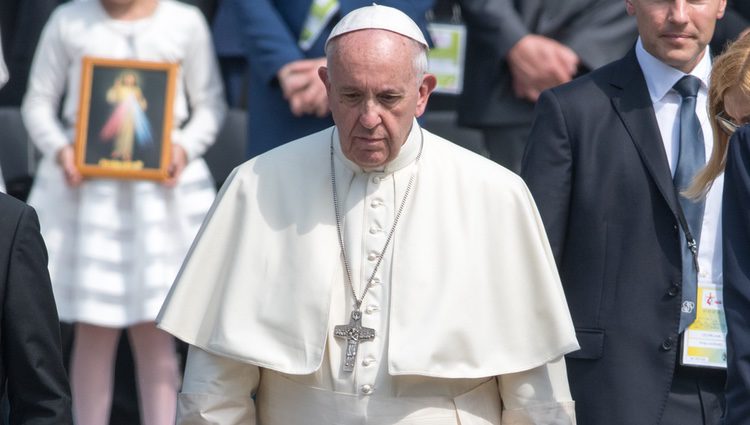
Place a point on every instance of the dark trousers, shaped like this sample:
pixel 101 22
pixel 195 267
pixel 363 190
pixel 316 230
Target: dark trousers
pixel 506 144
pixel 696 397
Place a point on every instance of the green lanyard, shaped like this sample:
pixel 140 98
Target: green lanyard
pixel 321 12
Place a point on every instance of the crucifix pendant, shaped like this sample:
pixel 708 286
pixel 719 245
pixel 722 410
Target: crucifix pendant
pixel 354 332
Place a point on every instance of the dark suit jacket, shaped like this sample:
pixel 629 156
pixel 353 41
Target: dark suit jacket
pixel 736 256
pixel 31 362
pixel 596 166
pixel 270 30
pixel 599 31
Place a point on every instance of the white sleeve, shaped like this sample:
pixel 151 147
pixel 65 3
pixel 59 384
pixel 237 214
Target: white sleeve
pixel 539 396
pixel 217 391
pixel 47 81
pixel 204 90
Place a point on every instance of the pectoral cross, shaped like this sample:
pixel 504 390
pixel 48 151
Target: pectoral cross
pixel 354 332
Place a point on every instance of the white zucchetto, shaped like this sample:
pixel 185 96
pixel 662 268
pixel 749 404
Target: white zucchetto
pixel 378 17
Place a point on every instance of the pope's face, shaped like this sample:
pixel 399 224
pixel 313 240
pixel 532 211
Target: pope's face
pixel 676 31
pixel 374 94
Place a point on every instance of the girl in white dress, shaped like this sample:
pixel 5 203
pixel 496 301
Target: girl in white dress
pixel 115 246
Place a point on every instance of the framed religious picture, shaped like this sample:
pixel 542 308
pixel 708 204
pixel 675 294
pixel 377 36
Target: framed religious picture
pixel 125 118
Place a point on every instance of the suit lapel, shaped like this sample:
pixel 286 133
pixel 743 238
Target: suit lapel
pixel 632 102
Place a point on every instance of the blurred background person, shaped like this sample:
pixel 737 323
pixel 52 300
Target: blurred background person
pixel 231 52
pixel 21 22
pixel 115 246
pixel 729 112
pixel 517 49
pixel 736 22
pixel 283 41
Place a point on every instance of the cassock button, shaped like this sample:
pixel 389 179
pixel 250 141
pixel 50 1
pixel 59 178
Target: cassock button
pixel 368 361
pixel 375 281
pixel 376 179
pixel 376 203
pixel 674 289
pixel 374 230
pixel 367 389
pixel 372 257
pixel 371 309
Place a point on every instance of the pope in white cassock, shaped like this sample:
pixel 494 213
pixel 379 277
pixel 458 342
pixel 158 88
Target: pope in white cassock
pixel 372 273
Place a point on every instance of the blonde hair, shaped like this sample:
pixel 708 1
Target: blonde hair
pixel 731 69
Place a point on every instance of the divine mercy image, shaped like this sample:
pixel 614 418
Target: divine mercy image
pixel 128 123
pixel 125 117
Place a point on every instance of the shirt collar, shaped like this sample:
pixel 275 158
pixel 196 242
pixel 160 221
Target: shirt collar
pixel 660 77
pixel 408 154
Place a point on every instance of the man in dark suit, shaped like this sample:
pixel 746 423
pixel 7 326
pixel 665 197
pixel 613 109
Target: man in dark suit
pixel 600 161
pixel 286 99
pixel 516 49
pixel 31 365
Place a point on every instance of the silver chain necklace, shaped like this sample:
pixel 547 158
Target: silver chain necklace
pixel 354 332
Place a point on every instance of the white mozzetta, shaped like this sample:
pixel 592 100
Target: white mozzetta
pixel 270 255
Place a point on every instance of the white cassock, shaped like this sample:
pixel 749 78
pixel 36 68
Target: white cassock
pixel 470 319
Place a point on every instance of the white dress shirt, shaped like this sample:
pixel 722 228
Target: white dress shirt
pixel 660 78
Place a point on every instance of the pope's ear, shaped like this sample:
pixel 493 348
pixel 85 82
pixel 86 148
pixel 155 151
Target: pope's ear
pixel 323 75
pixel 429 82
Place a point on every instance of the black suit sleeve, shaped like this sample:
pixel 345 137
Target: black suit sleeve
pixel 548 169
pixel 736 257
pixel 38 388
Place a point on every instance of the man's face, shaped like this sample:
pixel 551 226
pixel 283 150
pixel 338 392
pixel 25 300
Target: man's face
pixel 676 31
pixel 374 94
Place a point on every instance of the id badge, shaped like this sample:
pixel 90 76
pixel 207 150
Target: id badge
pixel 446 58
pixel 704 341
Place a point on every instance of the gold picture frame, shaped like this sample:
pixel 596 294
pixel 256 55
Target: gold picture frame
pixel 125 119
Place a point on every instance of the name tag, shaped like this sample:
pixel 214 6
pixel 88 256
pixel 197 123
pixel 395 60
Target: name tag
pixel 447 56
pixel 704 341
